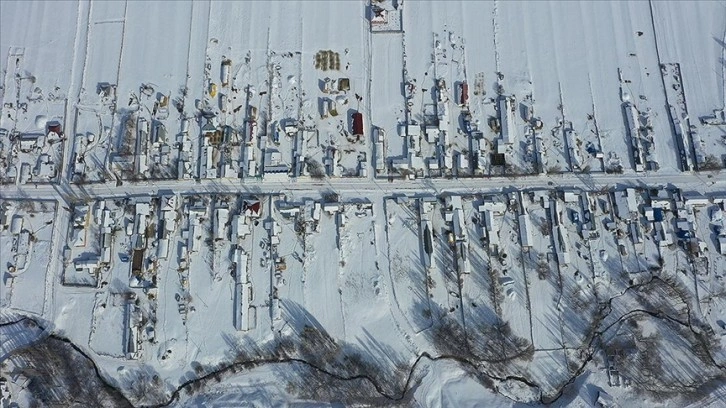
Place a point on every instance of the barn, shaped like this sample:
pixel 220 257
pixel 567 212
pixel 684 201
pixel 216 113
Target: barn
pixel 358 124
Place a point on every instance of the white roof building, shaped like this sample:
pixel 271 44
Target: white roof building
pixel 240 228
pixel 162 248
pixel 570 197
pixel 89 264
pixel 143 209
pixel 525 230
pixel 495 207
pixel 413 130
pixel 221 218
pixel 16 225
pixel 508 127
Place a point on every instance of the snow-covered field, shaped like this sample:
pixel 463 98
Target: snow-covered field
pixel 370 202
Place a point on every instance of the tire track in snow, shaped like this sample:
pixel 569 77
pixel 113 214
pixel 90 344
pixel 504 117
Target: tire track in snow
pixel 367 54
pixel 59 219
pixel 118 77
pixel 561 129
pixel 189 48
pixel 76 82
pixel 674 138
pixel 477 366
pixel 495 28
pixel 594 120
pixel 723 68
pixel 397 306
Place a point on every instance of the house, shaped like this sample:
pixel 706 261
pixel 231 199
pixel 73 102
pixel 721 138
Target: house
pixel 211 133
pixel 331 208
pixel 45 168
pixel 413 129
pixel 498 208
pixel 290 128
pixel 273 162
pixel 415 162
pixel 143 210
pixel 697 200
pixel 400 163
pixel 379 15
pixel 252 208
pixel 290 211
pixel 625 203
pixel 240 228
pixel 28 141
pixel 462 161
pixel 570 197
pixel 105 89
pixel 433 164
pixel 432 133
pixel 457 219
pixel 649 213
pixel 86 265
pixel 168 203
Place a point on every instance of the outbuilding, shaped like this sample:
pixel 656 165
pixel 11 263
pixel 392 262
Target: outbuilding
pixel 358 124
pixel 463 93
pixel 16 225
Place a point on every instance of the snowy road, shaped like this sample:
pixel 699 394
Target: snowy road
pixel 703 182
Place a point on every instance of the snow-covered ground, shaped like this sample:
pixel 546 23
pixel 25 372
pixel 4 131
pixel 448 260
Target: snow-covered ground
pixel 375 202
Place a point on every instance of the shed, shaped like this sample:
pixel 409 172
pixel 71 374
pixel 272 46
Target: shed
pixel 28 141
pixel 16 225
pixel 55 127
pixel 525 230
pixel 413 129
pixel 344 84
pixel 358 124
pixel 162 250
pixel 463 93
pixel 570 197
